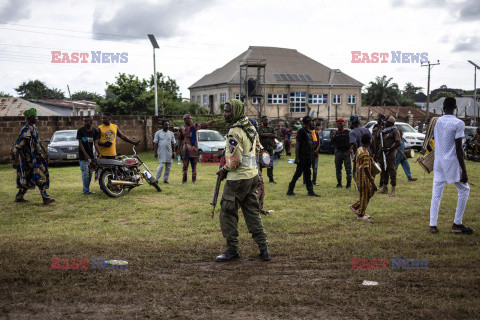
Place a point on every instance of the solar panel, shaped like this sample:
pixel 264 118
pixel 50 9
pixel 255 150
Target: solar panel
pixel 277 77
pixel 302 77
pixel 284 77
pixel 290 77
pixel 295 77
pixel 308 77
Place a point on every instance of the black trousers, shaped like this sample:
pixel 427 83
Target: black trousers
pixel 343 157
pixel 302 168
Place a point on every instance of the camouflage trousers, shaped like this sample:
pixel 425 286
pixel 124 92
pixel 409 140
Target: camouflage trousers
pixel 241 194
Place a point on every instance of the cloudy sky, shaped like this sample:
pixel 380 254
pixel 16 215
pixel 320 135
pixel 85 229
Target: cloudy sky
pixel 199 36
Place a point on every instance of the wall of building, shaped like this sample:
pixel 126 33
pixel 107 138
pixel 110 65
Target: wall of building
pixel 134 127
pixel 342 110
pixel 215 92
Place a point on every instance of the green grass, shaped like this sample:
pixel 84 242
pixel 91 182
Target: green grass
pixel 171 242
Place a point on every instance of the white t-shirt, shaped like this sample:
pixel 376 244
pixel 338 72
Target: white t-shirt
pixel 446 167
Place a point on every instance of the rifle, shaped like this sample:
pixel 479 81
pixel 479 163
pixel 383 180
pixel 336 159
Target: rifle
pixel 383 152
pixel 217 186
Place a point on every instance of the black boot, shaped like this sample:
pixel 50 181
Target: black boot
pixel 339 182
pixel 264 255
pixel 227 256
pixel 349 182
pixel 290 190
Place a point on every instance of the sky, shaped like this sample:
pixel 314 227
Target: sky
pixel 198 36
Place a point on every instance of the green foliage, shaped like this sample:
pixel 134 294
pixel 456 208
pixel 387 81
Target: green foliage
pixel 38 90
pixel 382 92
pixel 130 95
pixel 442 94
pixel 410 90
pixel 85 95
pixel 5 95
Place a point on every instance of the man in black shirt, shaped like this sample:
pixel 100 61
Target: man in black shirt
pixel 341 140
pixel 303 157
pixel 86 136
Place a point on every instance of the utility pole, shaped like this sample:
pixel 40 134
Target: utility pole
pixel 430 66
pixel 155 46
pixel 475 91
pixel 74 113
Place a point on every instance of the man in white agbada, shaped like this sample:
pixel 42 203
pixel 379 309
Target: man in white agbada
pixel 163 144
pixel 449 166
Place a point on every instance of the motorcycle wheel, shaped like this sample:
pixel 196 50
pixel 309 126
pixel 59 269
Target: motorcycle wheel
pixel 111 191
pixel 156 186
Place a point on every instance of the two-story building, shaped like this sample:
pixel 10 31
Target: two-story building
pixel 295 85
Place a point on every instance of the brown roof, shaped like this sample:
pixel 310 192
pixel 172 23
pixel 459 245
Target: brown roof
pixel 16 106
pixel 396 111
pixel 283 66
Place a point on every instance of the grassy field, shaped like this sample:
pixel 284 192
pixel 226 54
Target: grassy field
pixel 171 242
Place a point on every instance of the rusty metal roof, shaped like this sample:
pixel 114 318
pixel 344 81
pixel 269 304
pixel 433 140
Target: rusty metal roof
pixel 79 104
pixel 13 107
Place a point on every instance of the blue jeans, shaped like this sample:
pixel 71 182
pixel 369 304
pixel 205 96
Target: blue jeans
pixel 86 176
pixel 314 171
pixel 405 165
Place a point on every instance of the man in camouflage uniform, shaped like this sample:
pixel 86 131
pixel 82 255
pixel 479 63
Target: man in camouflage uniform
pixel 267 139
pixel 240 190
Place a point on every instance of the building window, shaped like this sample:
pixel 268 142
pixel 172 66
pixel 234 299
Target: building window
pixel 199 98
pixel 352 98
pixel 205 99
pixel 298 101
pixel 193 99
pixel 277 99
pixel 215 97
pixel 237 96
pixel 223 97
pixel 317 98
pixel 255 100
pixel 337 99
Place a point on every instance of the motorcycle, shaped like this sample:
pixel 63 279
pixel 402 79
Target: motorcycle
pixel 469 148
pixel 116 175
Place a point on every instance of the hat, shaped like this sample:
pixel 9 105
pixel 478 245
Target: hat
pixel 186 115
pixel 306 119
pixel 391 119
pixel 354 118
pixel 382 116
pixel 340 120
pixel 30 112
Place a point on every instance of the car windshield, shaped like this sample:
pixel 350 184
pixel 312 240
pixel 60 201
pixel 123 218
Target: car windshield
pixel 469 132
pixel 210 136
pixel 405 128
pixel 64 136
pixel 326 134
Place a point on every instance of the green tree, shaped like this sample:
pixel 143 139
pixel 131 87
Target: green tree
pixel 381 92
pixel 442 94
pixel 85 95
pixel 127 95
pixel 410 90
pixel 38 90
pixel 5 95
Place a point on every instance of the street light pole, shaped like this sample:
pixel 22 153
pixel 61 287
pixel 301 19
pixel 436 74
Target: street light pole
pixel 475 89
pixel 155 46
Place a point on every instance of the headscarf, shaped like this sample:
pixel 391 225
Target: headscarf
pixel 240 121
pixel 186 115
pixel 30 112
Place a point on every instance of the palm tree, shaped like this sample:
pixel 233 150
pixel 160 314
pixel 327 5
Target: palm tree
pixel 382 92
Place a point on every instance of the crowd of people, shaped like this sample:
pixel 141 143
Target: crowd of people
pixel 246 141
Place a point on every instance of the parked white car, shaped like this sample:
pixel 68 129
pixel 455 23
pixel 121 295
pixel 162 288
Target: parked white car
pixel 413 138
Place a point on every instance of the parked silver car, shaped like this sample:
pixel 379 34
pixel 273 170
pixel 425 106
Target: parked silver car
pixel 63 147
